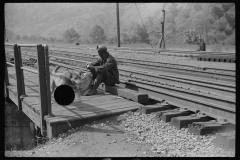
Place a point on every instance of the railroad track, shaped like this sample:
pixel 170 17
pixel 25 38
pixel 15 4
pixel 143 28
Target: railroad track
pixel 204 105
pixel 206 96
pixel 197 55
pixel 225 75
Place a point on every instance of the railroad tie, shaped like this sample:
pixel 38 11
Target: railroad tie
pixel 203 128
pixel 154 108
pixel 125 93
pixel 225 140
pixel 167 115
pixel 185 121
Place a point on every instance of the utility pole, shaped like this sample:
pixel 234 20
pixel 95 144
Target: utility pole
pixel 118 25
pixel 161 43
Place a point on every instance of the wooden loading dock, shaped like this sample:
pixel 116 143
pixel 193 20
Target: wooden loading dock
pixel 25 88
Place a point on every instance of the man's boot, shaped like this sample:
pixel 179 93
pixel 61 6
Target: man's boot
pixel 95 85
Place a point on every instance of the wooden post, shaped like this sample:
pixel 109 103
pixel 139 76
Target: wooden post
pixel 21 71
pixel 48 80
pixel 118 25
pixel 6 80
pixel 18 75
pixel 42 87
pixel 161 43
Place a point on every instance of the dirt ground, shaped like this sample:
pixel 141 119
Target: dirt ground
pixel 105 138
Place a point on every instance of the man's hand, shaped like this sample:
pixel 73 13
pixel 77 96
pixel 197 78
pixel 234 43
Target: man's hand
pixel 90 67
pixel 87 64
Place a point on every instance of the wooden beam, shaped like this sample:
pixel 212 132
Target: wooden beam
pixel 35 117
pixel 21 71
pixel 6 79
pixel 42 86
pixel 126 93
pixel 18 75
pixel 47 80
pixel 54 129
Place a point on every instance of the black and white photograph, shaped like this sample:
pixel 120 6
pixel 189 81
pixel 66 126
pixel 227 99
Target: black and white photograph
pixel 119 80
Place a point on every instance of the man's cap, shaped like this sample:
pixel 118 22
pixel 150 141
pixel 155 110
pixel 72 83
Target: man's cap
pixel 101 48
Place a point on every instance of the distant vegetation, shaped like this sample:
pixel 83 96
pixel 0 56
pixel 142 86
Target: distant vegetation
pixel 184 23
pixel 70 35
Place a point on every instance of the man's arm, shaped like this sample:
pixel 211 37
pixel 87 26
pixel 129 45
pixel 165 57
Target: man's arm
pixel 108 65
pixel 96 63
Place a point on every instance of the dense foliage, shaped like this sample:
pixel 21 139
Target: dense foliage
pixel 184 23
pixel 97 34
pixel 70 35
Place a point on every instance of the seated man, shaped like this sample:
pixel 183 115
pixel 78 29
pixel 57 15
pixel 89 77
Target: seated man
pixel 104 70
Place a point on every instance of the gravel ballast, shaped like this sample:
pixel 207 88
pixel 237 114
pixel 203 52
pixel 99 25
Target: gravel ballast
pixel 168 141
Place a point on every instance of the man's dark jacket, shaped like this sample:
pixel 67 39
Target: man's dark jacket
pixel 108 64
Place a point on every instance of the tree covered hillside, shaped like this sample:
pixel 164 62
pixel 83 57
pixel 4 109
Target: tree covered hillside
pixel 89 22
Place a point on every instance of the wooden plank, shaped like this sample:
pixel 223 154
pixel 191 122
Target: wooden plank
pixel 94 109
pixel 85 114
pixel 126 93
pixel 13 97
pixel 60 128
pixel 93 114
pixel 59 120
pixel 33 108
pixel 28 90
pixel 31 101
pixel 88 109
pixel 6 80
pixel 31 114
pixel 84 105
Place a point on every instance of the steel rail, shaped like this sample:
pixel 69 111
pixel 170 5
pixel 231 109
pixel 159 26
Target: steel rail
pixel 209 75
pixel 149 50
pixel 154 65
pixel 181 77
pixel 229 74
pixel 210 88
pixel 212 76
pixel 212 70
pixel 204 86
pixel 212 106
pixel 198 86
pixel 179 66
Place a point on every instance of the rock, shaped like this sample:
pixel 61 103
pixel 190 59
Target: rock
pixel 114 141
pixel 108 134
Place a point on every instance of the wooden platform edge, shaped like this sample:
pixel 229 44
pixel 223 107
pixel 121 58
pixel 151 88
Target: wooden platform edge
pixel 125 93
pixel 35 117
pixel 54 130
